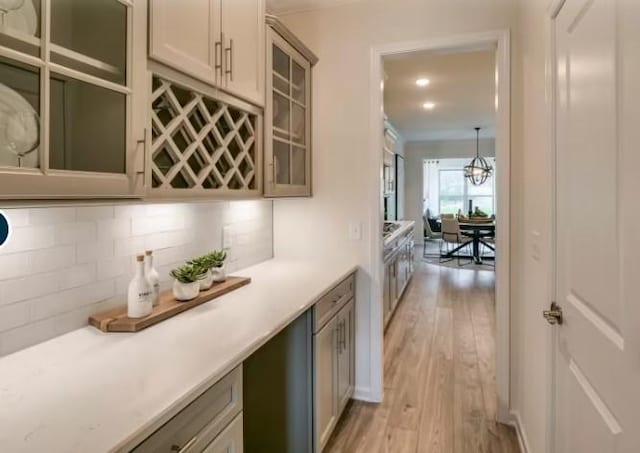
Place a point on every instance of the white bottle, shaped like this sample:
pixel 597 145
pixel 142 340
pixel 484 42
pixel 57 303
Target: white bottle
pixel 152 275
pixel 140 296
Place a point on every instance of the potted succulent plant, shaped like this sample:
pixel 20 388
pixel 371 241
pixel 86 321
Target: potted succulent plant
pixel 205 263
pixel 186 285
pixel 217 269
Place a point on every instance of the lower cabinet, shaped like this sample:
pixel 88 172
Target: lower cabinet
pixel 398 270
pixel 326 371
pixel 346 354
pixel 211 423
pixel 230 440
pixel 286 397
pixel 334 362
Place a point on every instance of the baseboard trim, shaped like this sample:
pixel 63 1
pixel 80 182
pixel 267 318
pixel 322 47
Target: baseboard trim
pixel 364 394
pixel 516 422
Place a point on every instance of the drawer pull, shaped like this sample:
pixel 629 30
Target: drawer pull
pixel 179 449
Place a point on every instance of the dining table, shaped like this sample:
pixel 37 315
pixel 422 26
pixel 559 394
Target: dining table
pixel 478 232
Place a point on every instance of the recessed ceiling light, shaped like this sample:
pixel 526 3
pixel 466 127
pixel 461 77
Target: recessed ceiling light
pixel 422 82
pixel 428 105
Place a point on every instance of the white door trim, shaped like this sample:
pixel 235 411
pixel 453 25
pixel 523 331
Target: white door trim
pixel 553 10
pixel 500 40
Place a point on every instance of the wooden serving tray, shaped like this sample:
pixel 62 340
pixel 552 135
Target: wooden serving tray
pixel 116 319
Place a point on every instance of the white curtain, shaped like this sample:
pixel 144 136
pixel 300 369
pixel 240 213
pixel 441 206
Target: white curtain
pixel 431 195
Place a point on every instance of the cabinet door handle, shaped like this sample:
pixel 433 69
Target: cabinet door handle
pixel 218 57
pixel 143 142
pixel 229 55
pixel 338 327
pixel 344 334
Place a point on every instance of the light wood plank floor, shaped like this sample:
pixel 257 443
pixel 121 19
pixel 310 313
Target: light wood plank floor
pixel 439 373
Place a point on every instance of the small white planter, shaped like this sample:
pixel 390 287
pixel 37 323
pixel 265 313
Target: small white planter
pixel 218 274
pixel 206 281
pixel 185 291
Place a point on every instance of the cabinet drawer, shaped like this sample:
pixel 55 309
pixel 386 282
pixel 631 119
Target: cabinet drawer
pixel 230 440
pixel 202 420
pixel 329 304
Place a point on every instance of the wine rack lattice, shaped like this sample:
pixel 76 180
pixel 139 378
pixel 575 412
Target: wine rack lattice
pixel 198 142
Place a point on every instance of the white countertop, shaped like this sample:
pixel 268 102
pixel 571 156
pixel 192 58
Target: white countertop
pixel 92 391
pixel 405 225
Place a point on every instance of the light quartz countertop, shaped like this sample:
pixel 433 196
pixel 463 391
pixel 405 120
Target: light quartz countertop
pixel 93 391
pixel 405 225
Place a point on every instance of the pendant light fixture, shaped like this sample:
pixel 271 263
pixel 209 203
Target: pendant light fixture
pixel 478 170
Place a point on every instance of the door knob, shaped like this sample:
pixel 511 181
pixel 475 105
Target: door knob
pixel 554 314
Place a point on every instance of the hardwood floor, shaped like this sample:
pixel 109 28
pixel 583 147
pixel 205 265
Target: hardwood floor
pixel 439 373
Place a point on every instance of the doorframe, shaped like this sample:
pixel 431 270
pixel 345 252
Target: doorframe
pixel 500 41
pixel 551 97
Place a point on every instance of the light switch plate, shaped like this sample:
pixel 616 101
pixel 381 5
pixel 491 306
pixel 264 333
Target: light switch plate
pixel 355 231
pixel 227 240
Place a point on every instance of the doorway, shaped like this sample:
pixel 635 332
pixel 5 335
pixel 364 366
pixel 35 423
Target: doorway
pixel 499 41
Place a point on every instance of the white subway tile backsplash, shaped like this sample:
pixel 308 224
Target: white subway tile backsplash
pixel 113 268
pixel 79 275
pixel 129 246
pixel 17 217
pixel 85 213
pixel 74 233
pixel 29 287
pixel 95 251
pixel 157 224
pixel 51 216
pixel 27 335
pixel 13 315
pixel 14 265
pixel 64 263
pixel 52 258
pixel 29 238
pixel 114 228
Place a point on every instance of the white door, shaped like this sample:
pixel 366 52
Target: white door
pixel 597 355
pixel 243 27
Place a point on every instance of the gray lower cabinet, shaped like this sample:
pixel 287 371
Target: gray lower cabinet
pixel 211 423
pixel 398 270
pixel 334 359
pixel 346 354
pixel 230 440
pixel 326 370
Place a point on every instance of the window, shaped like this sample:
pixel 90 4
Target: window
pixel 447 191
pixel 65 89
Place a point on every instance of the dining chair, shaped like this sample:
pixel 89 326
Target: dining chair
pixel 452 237
pixel 491 240
pixel 429 234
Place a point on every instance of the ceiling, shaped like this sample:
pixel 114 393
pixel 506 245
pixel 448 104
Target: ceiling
pixel 462 87
pixel 289 6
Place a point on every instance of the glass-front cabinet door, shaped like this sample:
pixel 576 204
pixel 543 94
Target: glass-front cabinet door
pixel 66 88
pixel 288 118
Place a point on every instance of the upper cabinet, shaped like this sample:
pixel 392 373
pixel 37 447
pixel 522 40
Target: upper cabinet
pixel 220 42
pixel 66 100
pixel 287 114
pixel 187 36
pixel 243 35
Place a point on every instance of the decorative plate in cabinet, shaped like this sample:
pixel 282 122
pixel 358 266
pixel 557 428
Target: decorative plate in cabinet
pixel 202 144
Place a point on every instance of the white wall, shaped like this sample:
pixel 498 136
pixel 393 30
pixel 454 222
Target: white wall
pixel 343 37
pixel 417 152
pixel 62 264
pixel 531 214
